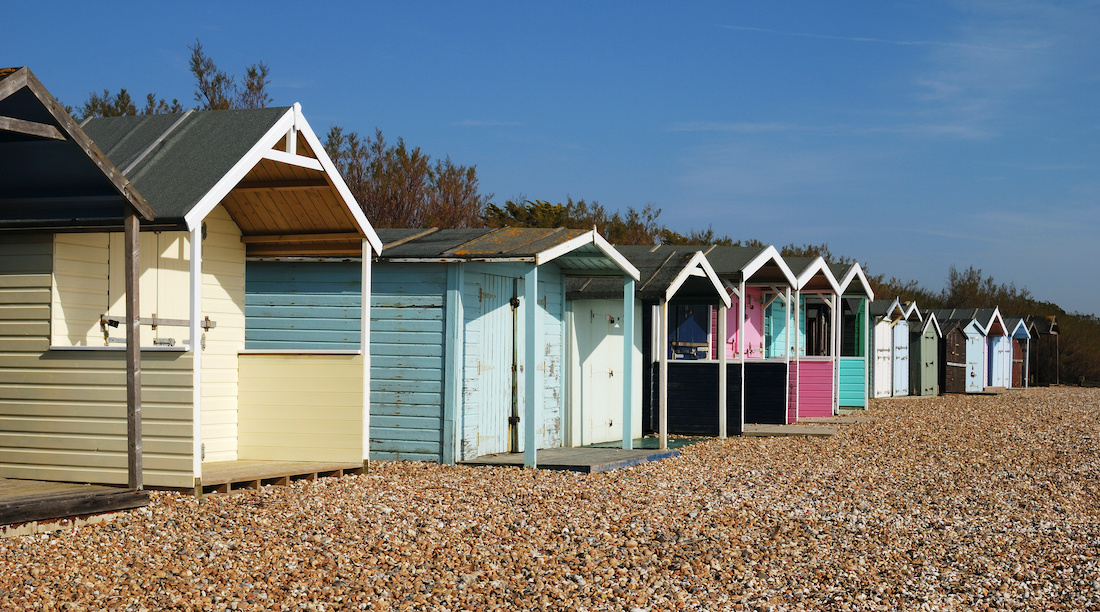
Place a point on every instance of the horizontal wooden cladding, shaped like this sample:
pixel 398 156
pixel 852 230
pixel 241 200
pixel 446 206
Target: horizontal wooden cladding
pixel 301 407
pixel 852 382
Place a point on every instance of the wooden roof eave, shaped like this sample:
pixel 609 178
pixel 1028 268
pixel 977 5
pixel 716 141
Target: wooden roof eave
pixel 23 77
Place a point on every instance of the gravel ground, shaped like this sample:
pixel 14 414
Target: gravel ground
pixel 955 503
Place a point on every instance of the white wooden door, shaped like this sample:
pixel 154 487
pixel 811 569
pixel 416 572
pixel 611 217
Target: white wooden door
pixel 901 359
pixel 884 337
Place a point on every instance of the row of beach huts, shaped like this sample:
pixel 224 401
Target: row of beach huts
pixel 190 295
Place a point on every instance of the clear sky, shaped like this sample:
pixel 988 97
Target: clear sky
pixel 909 135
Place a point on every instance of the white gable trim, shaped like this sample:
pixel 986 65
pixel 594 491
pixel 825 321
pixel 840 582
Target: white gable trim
pixel 594 238
pixel 263 148
pixel 816 266
pixel 243 166
pixel 698 266
pixel 768 254
pixel 337 181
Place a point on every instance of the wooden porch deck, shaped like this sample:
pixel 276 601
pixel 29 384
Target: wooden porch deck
pixel 26 501
pixel 229 476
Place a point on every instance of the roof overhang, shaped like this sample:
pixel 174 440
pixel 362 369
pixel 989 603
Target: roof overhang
pixel 279 146
pixel 768 258
pixel 855 273
pixel 589 253
pixel 996 324
pixel 1017 327
pixel 698 271
pixel 67 182
pixel 817 277
pixel 934 323
pixel 910 311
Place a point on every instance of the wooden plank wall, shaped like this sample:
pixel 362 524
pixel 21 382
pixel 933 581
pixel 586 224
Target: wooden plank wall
pixel 63 413
pixel 223 273
pixel 852 383
pixel 407 343
pixel 303 305
pixel 815 387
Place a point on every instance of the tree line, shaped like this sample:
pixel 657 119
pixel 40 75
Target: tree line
pixel 399 185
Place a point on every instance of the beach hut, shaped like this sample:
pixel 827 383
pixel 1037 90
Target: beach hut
pixel 813 369
pixel 759 339
pixel 900 356
pixel 1043 359
pixel 852 335
pixel 884 314
pixel 227 188
pixel 924 350
pixel 1020 334
pixel 971 333
pixel 952 356
pixel 55 181
pixel 468 343
pixel 685 387
pixel 998 348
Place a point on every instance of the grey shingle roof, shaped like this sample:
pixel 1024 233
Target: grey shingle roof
pixel 189 161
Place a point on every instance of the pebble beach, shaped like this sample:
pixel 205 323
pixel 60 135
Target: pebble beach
pixel 988 502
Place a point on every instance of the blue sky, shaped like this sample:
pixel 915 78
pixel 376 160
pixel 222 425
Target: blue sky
pixel 909 135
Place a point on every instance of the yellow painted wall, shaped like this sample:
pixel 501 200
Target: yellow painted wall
pixel 79 288
pixel 223 301
pixel 301 407
pixel 89 280
pixel 63 413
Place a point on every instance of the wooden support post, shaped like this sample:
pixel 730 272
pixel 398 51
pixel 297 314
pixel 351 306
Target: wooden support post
pixel 628 363
pixel 742 319
pixel 720 345
pixel 662 388
pixel 532 388
pixel 452 362
pixel 364 340
pixel 196 350
pixel 132 275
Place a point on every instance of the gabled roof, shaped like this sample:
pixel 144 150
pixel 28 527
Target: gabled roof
pixel 1043 325
pixel 981 317
pixel 581 251
pixel 812 274
pixel 932 322
pixel 989 319
pixel 851 280
pixel 668 273
pixel 911 311
pixel 886 310
pixel 1014 325
pixel 751 264
pixel 265 165
pixel 54 176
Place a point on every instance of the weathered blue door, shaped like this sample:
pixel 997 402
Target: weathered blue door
pixel 498 322
pixel 901 358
